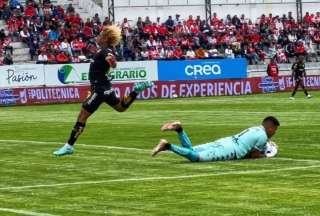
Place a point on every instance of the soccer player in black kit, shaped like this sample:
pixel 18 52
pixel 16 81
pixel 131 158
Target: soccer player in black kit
pixel 298 73
pixel 101 87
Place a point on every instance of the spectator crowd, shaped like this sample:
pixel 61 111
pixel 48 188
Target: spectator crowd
pixel 59 35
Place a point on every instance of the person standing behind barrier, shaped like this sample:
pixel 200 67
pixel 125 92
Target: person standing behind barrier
pixel 273 69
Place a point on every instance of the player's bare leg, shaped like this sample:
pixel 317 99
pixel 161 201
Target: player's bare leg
pixel 83 116
pixel 126 101
pixel 162 146
pixel 308 96
pixel 182 135
pixel 297 84
pixel 171 126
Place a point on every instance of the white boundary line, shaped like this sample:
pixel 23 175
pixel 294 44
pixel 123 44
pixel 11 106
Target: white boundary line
pixel 84 145
pixel 159 178
pixel 131 149
pixel 298 160
pixel 23 212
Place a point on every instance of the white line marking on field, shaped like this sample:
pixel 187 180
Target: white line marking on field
pixel 298 160
pixel 129 148
pixel 84 145
pixel 159 178
pixel 23 212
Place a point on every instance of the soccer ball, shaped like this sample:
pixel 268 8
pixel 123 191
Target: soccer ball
pixel 174 95
pixel 271 149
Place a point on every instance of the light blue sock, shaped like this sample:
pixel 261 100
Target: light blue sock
pixel 185 140
pixel 188 153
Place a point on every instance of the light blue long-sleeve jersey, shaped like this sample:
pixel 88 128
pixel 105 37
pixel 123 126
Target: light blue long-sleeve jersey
pixel 249 139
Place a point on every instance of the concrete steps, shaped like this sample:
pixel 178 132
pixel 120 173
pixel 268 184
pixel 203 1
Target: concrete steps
pixel 18 45
pixel 21 51
pixel 21 58
pixel 4 26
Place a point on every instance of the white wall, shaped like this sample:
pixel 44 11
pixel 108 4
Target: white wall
pixel 91 8
pixel 63 2
pixel 253 11
pixel 132 9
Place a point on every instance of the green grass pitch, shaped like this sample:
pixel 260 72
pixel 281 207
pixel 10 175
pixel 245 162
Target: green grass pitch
pixel 112 173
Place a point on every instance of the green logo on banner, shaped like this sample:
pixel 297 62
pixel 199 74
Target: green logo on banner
pixel 68 74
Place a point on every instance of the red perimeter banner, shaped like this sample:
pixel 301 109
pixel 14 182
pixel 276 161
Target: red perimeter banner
pixel 168 89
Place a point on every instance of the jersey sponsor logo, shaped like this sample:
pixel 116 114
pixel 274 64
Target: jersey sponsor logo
pixel 68 74
pixel 93 96
pixel 108 92
pixel 267 85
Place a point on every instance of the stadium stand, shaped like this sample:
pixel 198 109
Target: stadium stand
pixel 49 33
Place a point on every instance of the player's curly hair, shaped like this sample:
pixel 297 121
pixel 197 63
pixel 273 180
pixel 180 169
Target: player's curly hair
pixel 109 36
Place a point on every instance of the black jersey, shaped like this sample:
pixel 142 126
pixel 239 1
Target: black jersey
pixel 298 69
pixel 99 68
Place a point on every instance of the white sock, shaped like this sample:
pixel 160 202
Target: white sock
pixel 68 145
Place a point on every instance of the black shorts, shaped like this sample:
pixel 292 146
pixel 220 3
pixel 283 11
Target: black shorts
pixel 98 95
pixel 298 78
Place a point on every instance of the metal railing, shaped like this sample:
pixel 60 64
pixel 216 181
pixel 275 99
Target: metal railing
pixel 23 2
pixel 163 3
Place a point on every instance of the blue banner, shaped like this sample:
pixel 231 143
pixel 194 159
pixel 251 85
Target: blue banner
pixel 202 69
pixel 7 97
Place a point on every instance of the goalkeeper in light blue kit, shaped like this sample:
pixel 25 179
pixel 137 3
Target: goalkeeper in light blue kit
pixel 250 143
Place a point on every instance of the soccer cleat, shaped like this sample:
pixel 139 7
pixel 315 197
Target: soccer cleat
pixel 64 150
pixel 139 87
pixel 171 126
pixel 291 98
pixel 308 96
pixel 162 146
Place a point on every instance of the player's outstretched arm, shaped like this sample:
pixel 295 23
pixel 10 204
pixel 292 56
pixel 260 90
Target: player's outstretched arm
pixel 254 154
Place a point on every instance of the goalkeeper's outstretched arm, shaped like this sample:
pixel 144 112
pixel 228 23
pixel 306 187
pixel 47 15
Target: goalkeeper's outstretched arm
pixel 254 154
